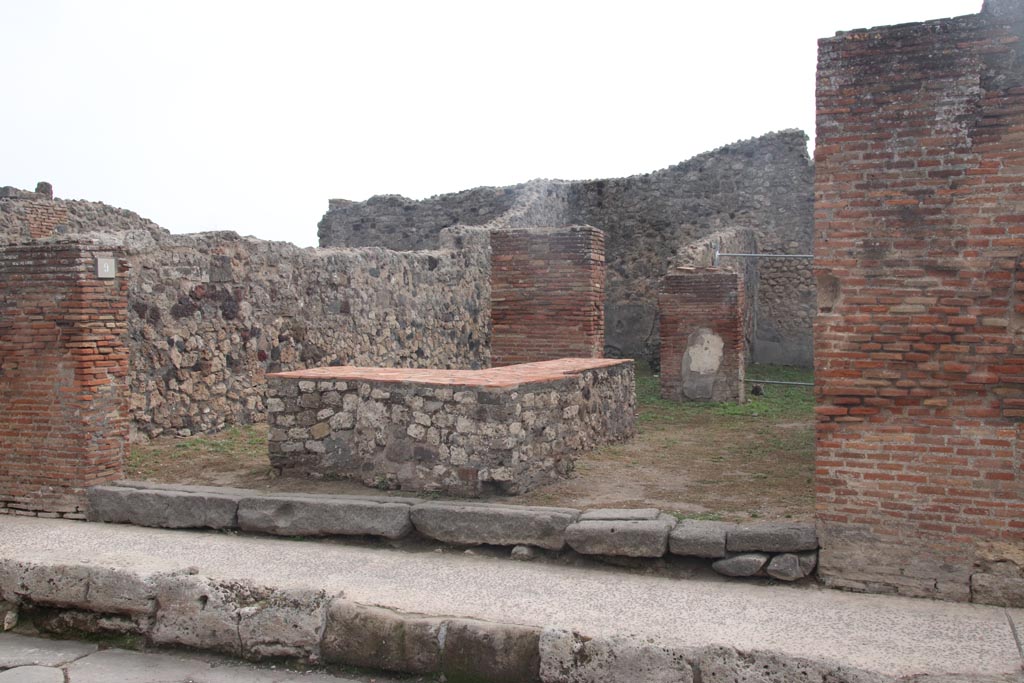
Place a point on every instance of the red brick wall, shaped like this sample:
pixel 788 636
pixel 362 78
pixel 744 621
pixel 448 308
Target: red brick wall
pixel 691 300
pixel 547 294
pixel 43 217
pixel 63 370
pixel 919 342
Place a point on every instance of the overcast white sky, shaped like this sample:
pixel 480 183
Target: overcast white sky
pixel 249 115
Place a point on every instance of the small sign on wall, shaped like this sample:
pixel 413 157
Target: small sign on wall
pixel 106 268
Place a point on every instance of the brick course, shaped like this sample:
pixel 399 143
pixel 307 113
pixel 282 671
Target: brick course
pixel 547 294
pixel 919 355
pixel 63 372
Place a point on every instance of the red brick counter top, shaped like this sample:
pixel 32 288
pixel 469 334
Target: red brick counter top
pixel 507 376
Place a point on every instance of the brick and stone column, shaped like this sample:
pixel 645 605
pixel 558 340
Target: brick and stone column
pixel 63 375
pixel 919 344
pixel 703 349
pixel 547 294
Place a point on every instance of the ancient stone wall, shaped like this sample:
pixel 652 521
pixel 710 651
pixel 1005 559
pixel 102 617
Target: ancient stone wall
pixel 503 430
pixel 919 344
pixel 63 375
pixel 210 313
pixel 763 184
pixel 547 294
pixel 703 346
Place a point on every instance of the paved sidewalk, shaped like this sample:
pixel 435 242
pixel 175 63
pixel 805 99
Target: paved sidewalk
pixel 41 660
pixel 883 634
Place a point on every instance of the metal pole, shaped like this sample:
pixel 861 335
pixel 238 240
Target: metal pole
pixel 719 253
pixel 772 381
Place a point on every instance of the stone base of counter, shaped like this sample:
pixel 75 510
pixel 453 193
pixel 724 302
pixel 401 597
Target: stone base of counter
pixel 459 432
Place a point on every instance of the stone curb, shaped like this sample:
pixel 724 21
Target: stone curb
pixel 260 622
pixel 642 533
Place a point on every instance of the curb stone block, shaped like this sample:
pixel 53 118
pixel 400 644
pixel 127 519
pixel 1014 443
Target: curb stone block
pixel 726 665
pixel 699 538
pixel 283 623
pixel 323 516
pixel 195 612
pixel 747 564
pixel 166 508
pixel 183 510
pixel 992 589
pixel 496 653
pixel 567 657
pixel 790 537
pixel 620 513
pixel 632 538
pixel 378 638
pixel 469 524
pixel 108 504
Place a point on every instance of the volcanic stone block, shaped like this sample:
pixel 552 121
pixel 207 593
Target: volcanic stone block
pixel 496 653
pixel 567 657
pixel 543 527
pixel 377 638
pixel 699 538
pixel 631 538
pixel 163 508
pixel 771 537
pixel 992 589
pixel 747 564
pixel 108 504
pixel 323 516
pixel 620 514
pixel 790 567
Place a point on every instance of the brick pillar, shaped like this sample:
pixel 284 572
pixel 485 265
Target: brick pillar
pixel 919 341
pixel 703 348
pixel 63 375
pixel 547 294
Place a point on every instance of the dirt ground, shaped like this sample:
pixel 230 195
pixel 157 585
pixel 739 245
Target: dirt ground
pixel 710 461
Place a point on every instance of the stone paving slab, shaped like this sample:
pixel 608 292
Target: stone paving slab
pixel 16 650
pixel 886 635
pixel 88 665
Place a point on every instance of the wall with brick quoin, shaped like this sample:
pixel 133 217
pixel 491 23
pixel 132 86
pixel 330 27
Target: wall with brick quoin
pixel 547 294
pixel 763 184
pixel 703 348
pixel 919 342
pixel 463 436
pixel 63 376
pixel 210 313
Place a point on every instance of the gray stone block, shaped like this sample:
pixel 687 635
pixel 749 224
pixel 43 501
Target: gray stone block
pixel 699 538
pixel 377 638
pixel 108 504
pixel 772 537
pixel 323 516
pixel 630 538
pixel 785 567
pixel 32 674
pixel 159 507
pixel 993 589
pixel 195 612
pixel 747 564
pixel 567 657
pixel 726 665
pixel 620 513
pixel 283 623
pixel 468 524
pixel 17 650
pixel 496 653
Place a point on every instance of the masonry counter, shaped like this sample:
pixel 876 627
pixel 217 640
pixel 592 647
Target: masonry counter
pixel 458 432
